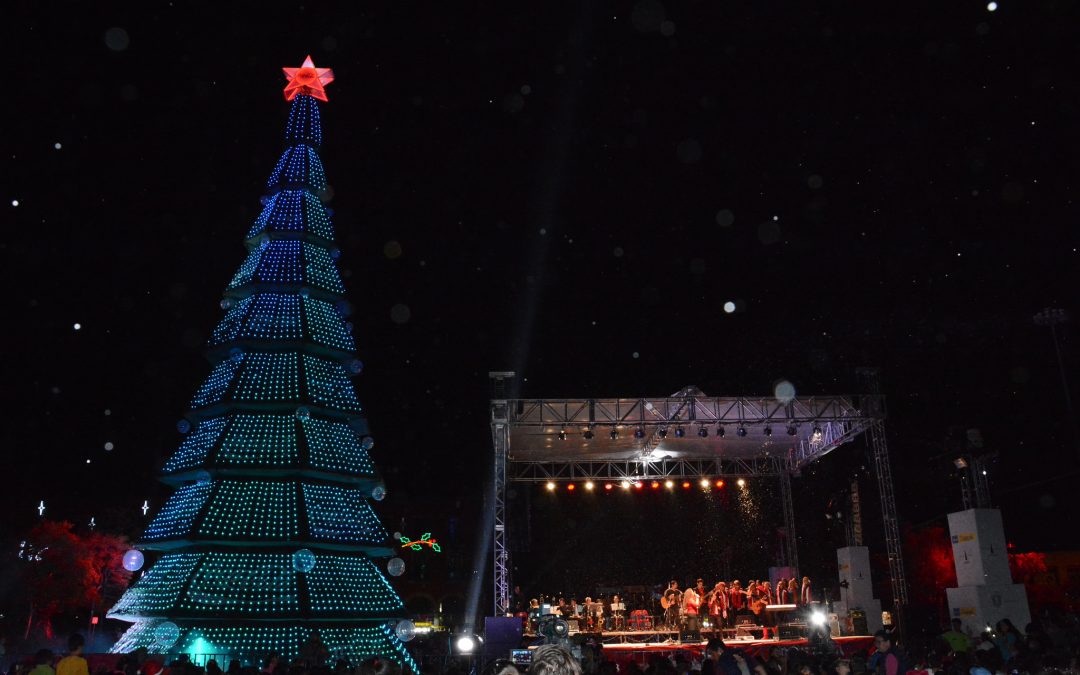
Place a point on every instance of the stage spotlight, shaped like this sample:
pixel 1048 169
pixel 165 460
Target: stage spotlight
pixel 818 618
pixel 741 431
pixel 589 485
pixel 669 484
pixel 686 485
pixel 571 487
pixel 703 432
pixel 816 437
pixel 639 485
pixel 720 430
pixel 588 433
pixel 719 483
pixel 625 485
pixel 639 432
pixel 656 485
pixel 768 431
pixel 679 432
pixel 551 486
pixel 662 432
pixel 608 486
pixel 792 430
pixel 741 482
pixel 614 433
pixel 705 483
pixel 562 434
pixel 466 644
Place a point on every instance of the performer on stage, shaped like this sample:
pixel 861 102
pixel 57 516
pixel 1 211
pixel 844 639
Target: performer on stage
pixel 767 592
pixel 618 613
pixel 691 604
pixel 718 605
pixel 738 598
pixel 806 596
pixel 781 592
pixel 670 601
pixel 793 591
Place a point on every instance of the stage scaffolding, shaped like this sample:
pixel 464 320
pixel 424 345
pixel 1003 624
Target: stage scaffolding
pixel 617 439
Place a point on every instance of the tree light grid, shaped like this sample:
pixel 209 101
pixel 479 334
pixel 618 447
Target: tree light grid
pixel 193 451
pixel 244 582
pixel 339 584
pixel 289 261
pixel 299 164
pixel 305 125
pixel 334 446
pixel 341 515
pixel 269 377
pixel 329 384
pixel 293 211
pixel 213 389
pixel 260 440
pixel 175 518
pixel 158 588
pixel 251 509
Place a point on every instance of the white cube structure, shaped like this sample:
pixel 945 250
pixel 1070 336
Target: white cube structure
pixel 986 592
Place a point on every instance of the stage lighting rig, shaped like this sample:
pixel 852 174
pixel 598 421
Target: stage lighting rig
pixel 588 433
pixel 741 431
pixel 562 434
pixel 792 430
pixel 614 433
pixel 679 432
pixel 639 432
pixel 703 432
pixel 661 432
pixel 720 431
pixel 767 431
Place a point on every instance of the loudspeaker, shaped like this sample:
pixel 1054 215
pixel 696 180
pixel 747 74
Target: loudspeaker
pixel 501 634
pixel 792 631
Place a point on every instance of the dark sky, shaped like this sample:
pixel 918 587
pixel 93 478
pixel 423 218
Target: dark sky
pixel 575 189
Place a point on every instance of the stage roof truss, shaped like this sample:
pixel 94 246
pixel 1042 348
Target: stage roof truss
pixel 685 436
pixel 635 470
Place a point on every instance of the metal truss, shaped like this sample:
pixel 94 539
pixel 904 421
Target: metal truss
pixel 882 467
pixel 791 548
pixel 500 437
pixel 685 407
pixel 538 472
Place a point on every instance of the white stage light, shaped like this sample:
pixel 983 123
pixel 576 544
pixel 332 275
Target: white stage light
pixel 465 644
pixel 818 618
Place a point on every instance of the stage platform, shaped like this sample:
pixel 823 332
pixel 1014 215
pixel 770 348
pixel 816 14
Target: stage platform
pixel 642 652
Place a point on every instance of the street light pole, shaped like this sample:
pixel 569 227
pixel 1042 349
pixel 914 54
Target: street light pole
pixel 1052 316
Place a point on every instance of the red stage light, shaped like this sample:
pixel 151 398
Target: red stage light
pixel 719 483
pixel 608 486
pixel 639 485
pixel 686 485
pixel 571 487
pixel 656 485
pixel 94 620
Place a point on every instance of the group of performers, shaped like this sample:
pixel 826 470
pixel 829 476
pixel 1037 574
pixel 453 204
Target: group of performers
pixel 723 604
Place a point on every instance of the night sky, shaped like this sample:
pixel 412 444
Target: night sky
pixel 568 190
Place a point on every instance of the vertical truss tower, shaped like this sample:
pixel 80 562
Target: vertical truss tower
pixel 270 537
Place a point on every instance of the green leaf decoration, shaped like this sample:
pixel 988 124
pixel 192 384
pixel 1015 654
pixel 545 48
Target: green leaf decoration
pixel 416 547
pixel 404 540
pixel 436 548
pixel 427 535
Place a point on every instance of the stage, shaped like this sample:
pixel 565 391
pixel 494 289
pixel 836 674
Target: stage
pixel 640 652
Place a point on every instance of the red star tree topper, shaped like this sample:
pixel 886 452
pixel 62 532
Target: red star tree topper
pixel 307 79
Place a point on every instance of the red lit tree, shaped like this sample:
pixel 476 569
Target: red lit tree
pixel 62 571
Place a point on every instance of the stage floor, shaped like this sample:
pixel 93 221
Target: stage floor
pixel 641 652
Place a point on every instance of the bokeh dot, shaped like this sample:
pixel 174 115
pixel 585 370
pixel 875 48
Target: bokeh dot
pixel 392 249
pixel 109 445
pixel 725 218
pixel 400 313
pixel 729 307
pixel 117 39
pixel 783 391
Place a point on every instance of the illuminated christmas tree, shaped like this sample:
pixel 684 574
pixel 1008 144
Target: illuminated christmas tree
pixel 270 535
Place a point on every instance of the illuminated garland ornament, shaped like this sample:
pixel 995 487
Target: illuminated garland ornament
pixel 270 534
pixel 424 540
